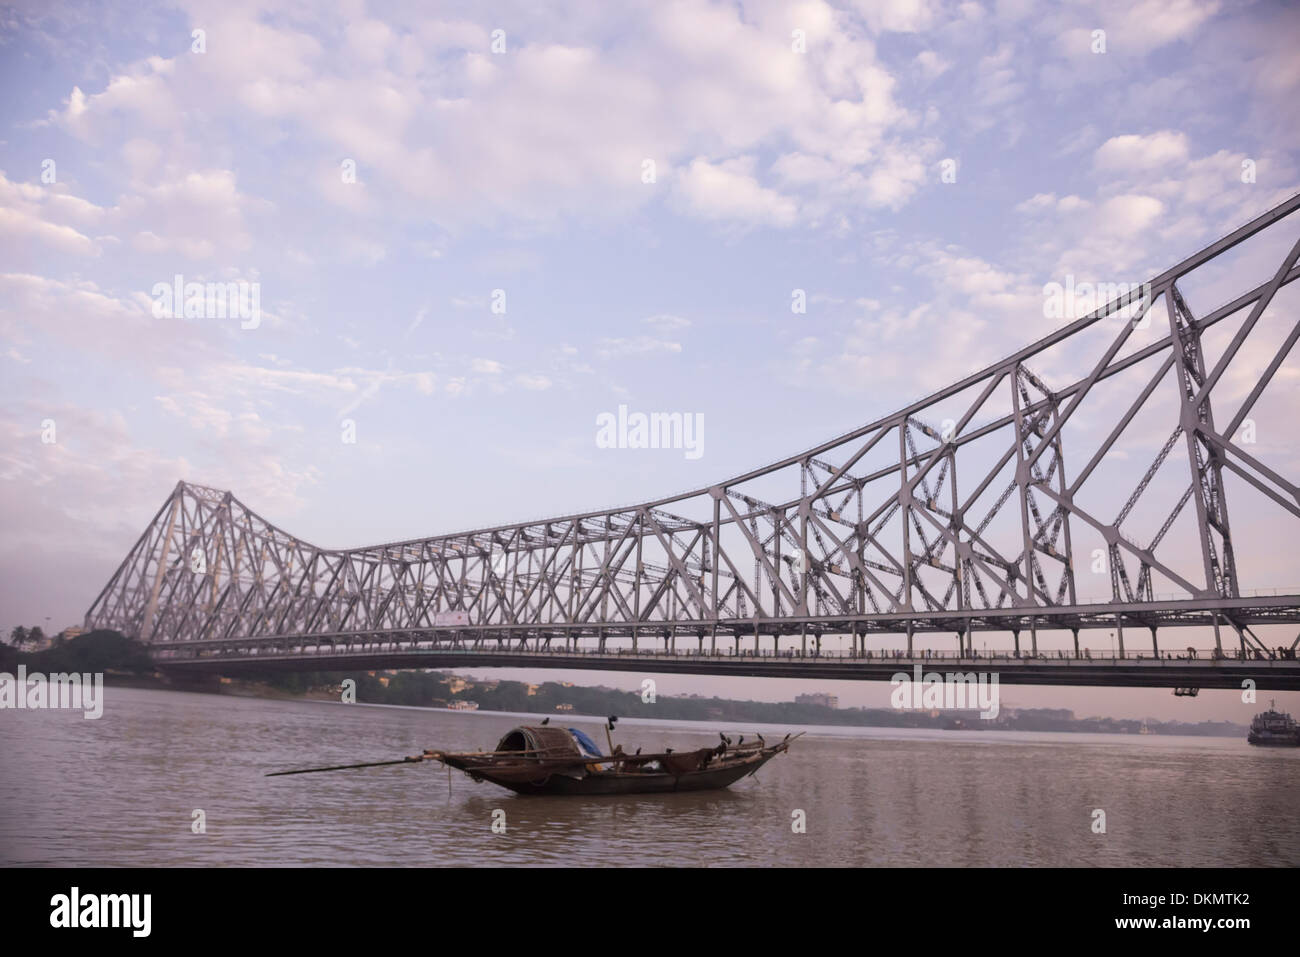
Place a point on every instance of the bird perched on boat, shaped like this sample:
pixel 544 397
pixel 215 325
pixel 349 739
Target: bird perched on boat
pixel 761 742
pixel 638 750
pixel 668 750
pixel 545 722
pixel 741 741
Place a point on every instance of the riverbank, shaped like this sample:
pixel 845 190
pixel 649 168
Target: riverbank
pixel 126 663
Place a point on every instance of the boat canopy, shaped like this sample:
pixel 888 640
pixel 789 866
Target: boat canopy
pixel 553 742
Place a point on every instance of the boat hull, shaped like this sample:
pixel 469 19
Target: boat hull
pixel 1273 742
pixel 614 782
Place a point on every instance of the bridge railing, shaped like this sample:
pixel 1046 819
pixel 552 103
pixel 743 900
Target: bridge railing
pixel 399 650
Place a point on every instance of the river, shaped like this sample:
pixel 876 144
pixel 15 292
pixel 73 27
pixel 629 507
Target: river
pixel 124 789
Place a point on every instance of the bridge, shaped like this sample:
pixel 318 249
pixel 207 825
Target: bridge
pixel 857 558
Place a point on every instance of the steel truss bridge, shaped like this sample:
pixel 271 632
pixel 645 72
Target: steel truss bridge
pixel 869 538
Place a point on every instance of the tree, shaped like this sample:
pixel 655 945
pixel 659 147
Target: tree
pixel 36 636
pixel 19 636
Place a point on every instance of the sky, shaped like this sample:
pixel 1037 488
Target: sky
pixel 476 228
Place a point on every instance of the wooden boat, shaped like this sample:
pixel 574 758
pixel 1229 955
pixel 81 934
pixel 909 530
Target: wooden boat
pixel 536 759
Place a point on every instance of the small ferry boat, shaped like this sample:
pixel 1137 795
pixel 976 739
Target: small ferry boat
pixel 1273 728
pixel 539 759
pixel 536 759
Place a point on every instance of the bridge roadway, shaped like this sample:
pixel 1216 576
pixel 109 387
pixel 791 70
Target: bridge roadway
pixel 1048 668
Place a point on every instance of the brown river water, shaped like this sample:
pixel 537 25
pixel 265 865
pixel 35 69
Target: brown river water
pixel 123 789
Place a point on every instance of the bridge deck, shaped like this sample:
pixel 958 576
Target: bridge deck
pixel 1047 669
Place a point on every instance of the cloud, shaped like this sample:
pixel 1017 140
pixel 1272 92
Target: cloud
pixel 931 64
pixel 729 192
pixel 634 346
pixel 899 16
pixel 533 381
pixel 1159 22
pixel 560 125
pixel 667 323
pixel 1131 152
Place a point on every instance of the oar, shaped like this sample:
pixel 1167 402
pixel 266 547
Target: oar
pixel 427 756
pixel 346 767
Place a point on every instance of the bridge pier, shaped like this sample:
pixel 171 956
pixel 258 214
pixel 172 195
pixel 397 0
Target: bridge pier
pixel 909 639
pixel 1155 645
pixel 1015 634
pixel 1119 633
pixel 1033 637
pixel 1076 641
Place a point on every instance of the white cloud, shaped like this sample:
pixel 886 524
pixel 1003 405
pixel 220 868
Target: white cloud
pixel 533 381
pixel 729 192
pixel 901 16
pixel 634 346
pixel 1132 152
pixel 932 64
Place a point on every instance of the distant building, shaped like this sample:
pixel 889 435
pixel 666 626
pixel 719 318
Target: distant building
pixel 463 706
pixel 824 700
pixel 564 707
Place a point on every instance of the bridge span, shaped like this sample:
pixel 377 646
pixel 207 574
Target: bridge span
pixel 957 515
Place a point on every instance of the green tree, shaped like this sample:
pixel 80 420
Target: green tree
pixel 19 636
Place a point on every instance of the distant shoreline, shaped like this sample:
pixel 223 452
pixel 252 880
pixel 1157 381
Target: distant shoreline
pixel 126 663
pixel 751 712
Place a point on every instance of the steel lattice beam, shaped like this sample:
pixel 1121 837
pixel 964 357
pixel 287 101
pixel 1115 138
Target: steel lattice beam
pixel 869 533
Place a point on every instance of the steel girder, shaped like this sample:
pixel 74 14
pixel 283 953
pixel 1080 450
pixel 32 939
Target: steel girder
pixel 875 535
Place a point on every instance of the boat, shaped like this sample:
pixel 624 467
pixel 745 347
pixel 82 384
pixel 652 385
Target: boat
pixel 539 759
pixel 542 759
pixel 1273 728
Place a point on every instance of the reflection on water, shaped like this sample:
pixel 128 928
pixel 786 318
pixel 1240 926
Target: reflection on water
pixel 122 791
